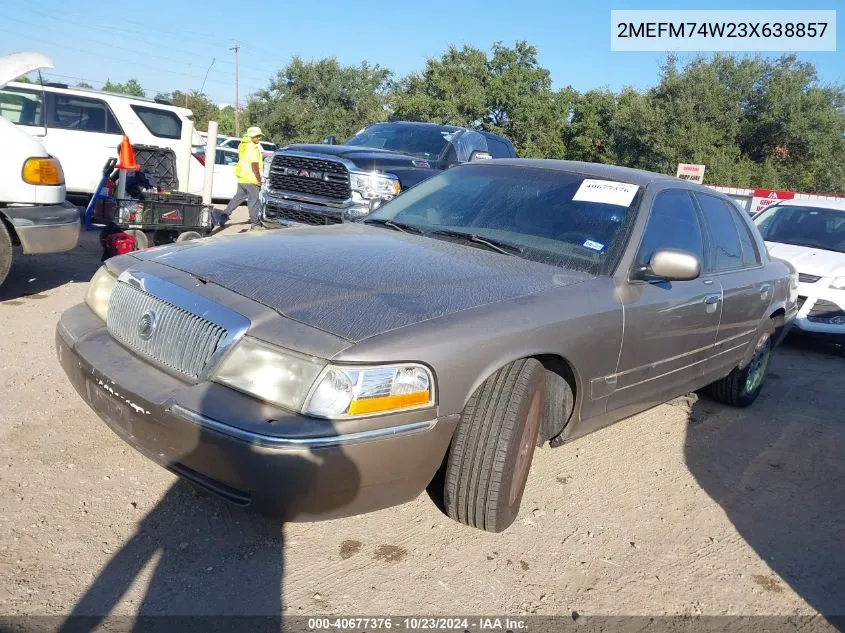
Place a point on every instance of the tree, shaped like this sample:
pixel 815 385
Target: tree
pixel 507 93
pixel 84 84
pixel 131 87
pixel 308 101
pixel 24 79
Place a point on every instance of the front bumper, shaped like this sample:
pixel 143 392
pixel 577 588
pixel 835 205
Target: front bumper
pixel 280 208
pixel 45 228
pixel 822 311
pixel 290 467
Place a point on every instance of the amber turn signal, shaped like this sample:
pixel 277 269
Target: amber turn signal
pixel 43 171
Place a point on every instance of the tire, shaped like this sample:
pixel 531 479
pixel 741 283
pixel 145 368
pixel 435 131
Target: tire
pixel 491 450
pixel 559 404
pixel 141 239
pixel 188 236
pixel 5 252
pixel 741 387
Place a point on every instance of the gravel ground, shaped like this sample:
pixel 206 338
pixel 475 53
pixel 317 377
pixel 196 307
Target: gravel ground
pixel 690 508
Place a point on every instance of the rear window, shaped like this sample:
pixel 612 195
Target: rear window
pixel 160 123
pixel 21 107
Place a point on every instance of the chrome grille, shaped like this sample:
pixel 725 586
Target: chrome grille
pixel 179 340
pixel 312 176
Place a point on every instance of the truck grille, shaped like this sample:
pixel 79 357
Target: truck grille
pixel 179 340
pixel 804 278
pixel 312 176
pixel 276 212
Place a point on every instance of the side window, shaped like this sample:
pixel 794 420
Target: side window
pixel 727 252
pixel 498 148
pixel 161 123
pixel 69 112
pixel 469 142
pixel 673 223
pixel 226 158
pixel 21 107
pixel 750 254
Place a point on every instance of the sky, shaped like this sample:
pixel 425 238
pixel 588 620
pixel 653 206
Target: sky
pixel 170 44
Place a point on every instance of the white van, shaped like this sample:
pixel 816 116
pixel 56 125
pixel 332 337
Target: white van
pixel 83 128
pixel 33 209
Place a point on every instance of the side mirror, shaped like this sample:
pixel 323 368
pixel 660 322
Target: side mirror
pixel 479 155
pixel 670 264
pixel 330 140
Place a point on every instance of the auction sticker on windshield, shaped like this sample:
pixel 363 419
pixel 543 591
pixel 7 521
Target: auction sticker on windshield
pixel 606 192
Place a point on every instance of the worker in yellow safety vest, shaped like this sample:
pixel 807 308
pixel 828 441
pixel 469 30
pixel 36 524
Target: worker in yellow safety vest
pixel 248 173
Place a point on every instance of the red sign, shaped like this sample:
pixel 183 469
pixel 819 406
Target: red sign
pixel 764 197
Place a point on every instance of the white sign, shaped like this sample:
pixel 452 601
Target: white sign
pixel 693 173
pixel 606 192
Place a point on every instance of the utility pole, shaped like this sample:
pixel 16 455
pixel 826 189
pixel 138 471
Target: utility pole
pixel 237 102
pixel 187 84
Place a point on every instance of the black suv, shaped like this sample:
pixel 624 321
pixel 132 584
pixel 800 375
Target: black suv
pixel 329 184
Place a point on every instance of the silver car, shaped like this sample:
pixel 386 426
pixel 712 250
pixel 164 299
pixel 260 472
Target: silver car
pixel 316 372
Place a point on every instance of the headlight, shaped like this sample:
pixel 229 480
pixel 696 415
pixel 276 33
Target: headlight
pixel 99 292
pixel 269 373
pixel 351 391
pixel 838 283
pixel 374 184
pixel 43 171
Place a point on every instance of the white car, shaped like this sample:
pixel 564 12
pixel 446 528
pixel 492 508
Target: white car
pixel 225 184
pixel 266 146
pixel 810 234
pixel 83 128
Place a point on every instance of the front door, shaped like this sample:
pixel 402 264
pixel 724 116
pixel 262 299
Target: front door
pixel 669 327
pixel 737 266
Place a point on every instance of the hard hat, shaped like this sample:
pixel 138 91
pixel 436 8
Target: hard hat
pixel 253 132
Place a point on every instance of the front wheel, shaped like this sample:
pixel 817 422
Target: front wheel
pixel 493 445
pixel 5 253
pixel 741 387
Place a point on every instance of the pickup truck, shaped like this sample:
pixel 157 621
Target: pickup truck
pixel 329 183
pixel 33 209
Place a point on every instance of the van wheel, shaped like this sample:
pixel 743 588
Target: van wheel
pixel 5 252
pixel 491 450
pixel 187 236
pixel 141 239
pixel 741 387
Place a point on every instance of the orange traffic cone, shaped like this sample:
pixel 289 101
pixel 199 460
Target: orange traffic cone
pixel 126 160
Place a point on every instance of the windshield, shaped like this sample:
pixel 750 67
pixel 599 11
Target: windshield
pixel 804 226
pixel 551 216
pixel 424 141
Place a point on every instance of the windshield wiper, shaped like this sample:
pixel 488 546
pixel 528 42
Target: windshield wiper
pixel 396 226
pixel 492 244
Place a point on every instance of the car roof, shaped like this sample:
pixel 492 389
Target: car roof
pixel 838 205
pixel 598 170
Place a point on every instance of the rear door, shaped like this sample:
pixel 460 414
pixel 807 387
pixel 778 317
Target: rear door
pixel 736 266
pixel 83 134
pixel 670 327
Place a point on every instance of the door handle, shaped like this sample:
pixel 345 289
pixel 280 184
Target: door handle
pixel 712 299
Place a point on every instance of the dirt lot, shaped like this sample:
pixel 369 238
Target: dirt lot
pixel 691 508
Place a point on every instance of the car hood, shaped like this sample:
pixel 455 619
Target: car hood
pixel 366 157
pixel 812 261
pixel 357 281
pixel 18 64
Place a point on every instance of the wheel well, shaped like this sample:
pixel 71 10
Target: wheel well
pixel 562 368
pixel 10 229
